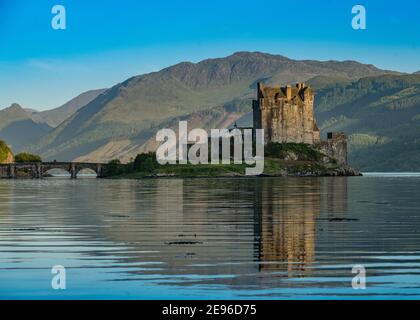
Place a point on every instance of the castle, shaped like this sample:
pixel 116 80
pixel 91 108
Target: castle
pixel 287 115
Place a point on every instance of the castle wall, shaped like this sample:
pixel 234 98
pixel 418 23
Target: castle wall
pixel 286 114
pixel 335 147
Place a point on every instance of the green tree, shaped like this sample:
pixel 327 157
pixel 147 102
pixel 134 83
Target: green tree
pixel 145 162
pixel 27 157
pixel 114 168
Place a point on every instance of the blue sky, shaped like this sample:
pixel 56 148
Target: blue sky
pixel 108 41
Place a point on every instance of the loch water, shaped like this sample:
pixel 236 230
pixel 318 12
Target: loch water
pixel 233 238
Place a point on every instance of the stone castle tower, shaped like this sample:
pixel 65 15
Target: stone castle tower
pixel 286 114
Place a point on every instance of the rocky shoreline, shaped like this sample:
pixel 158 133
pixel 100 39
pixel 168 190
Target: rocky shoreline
pixel 337 172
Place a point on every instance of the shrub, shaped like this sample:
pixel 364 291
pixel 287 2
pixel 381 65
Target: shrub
pixel 115 168
pixel 114 162
pixel 145 162
pixel 303 151
pixel 27 157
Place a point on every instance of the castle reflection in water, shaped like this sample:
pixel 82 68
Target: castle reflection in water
pixel 287 223
pixel 212 226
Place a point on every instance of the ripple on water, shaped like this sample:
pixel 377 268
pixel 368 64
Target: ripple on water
pixel 212 238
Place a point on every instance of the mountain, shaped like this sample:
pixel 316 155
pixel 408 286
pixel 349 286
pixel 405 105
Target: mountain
pixel 381 115
pixel 18 129
pixel 323 82
pixel 418 72
pixel 56 116
pixel 142 103
pixel 125 149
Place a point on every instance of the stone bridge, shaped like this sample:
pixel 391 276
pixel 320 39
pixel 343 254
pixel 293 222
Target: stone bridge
pixel 40 170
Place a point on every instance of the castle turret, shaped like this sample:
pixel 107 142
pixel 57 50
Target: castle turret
pixel 335 147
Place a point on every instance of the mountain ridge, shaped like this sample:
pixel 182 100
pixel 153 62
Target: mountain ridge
pixel 56 116
pixel 143 102
pixel 18 129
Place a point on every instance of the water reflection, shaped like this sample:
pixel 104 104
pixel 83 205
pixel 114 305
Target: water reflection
pixel 5 203
pixel 286 218
pixel 205 227
pixel 214 238
pixel 334 196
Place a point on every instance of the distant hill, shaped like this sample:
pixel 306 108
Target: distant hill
pixel 142 103
pixel 19 129
pixel 56 116
pixel 381 115
pixel 323 82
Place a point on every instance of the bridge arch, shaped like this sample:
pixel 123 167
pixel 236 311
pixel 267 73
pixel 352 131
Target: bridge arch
pixel 78 167
pixel 56 172
pixel 86 172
